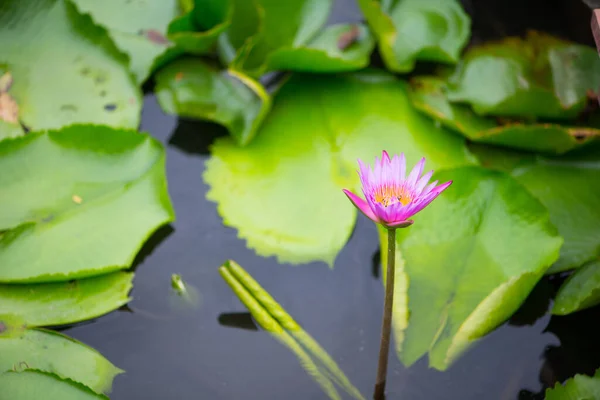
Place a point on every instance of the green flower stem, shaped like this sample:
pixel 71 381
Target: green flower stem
pixel 386 324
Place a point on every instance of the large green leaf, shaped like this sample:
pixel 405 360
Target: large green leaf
pixel 78 202
pixel 539 76
pixel 343 47
pixel 283 191
pixel 34 385
pixel 580 387
pixel 282 326
pixel 571 193
pixel 581 290
pixel 138 28
pixel 51 304
pixel 193 88
pixel 48 351
pixel 467 263
pixel 8 130
pixel 428 94
pixel 281 24
pixel 411 30
pixel 197 31
pixel 66 69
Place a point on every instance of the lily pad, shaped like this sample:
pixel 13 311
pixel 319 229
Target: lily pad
pixel 33 385
pixel 192 88
pixel 8 130
pixel 412 30
pixel 428 95
pixel 57 354
pixel 291 23
pixel 580 291
pixel 343 47
pixel 536 77
pixel 138 28
pixel 282 191
pixel 78 202
pixel 197 31
pixel 66 69
pixel 467 265
pixel 571 194
pixel 580 387
pixel 52 304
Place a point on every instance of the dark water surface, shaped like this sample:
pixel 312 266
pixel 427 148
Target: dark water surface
pixel 214 351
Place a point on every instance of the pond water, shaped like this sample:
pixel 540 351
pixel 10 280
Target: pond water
pixel 171 350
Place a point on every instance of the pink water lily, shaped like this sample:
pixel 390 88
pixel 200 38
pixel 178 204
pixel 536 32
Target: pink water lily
pixel 391 197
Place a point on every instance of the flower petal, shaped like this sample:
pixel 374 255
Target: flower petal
pixel 402 161
pixel 400 224
pixel 385 157
pixel 361 204
pixel 415 173
pixel 430 197
pixel 422 182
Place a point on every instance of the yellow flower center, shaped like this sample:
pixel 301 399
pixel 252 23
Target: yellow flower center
pixel 387 195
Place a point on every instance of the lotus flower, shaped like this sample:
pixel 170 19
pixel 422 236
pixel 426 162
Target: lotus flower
pixel 391 197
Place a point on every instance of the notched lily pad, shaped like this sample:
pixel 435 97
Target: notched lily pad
pixel 536 77
pixel 580 387
pixel 65 68
pixel 197 31
pixel 411 30
pixel 289 167
pixel 580 291
pixel 52 352
pixel 78 202
pixel 482 229
pixel 192 88
pixel 276 25
pixel 32 384
pixel 343 47
pixel 52 304
pixel 138 28
pixel 429 95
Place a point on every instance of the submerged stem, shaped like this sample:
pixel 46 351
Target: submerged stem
pixel 386 324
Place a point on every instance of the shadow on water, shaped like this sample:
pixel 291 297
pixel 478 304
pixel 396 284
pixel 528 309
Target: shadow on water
pixel 239 320
pixel 195 137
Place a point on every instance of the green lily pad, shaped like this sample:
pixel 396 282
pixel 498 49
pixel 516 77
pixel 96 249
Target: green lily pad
pixel 580 387
pixel 33 385
pixel 571 196
pixel 580 291
pixel 246 20
pixel 52 304
pixel 57 354
pixel 428 94
pixel 466 264
pixel 564 184
pixel 78 202
pixel 343 47
pixel 197 31
pixel 536 77
pixel 66 69
pixel 412 30
pixel 283 190
pixel 137 28
pixel 8 130
pixel 288 24
pixel 192 88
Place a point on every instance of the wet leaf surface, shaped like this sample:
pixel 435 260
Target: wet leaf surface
pixel 65 68
pixel 52 352
pixel 417 30
pixel 33 385
pixel 138 28
pixel 580 387
pixel 483 229
pixel 63 193
pixel 51 304
pixel 193 88
pixel 282 191
pixel 580 291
